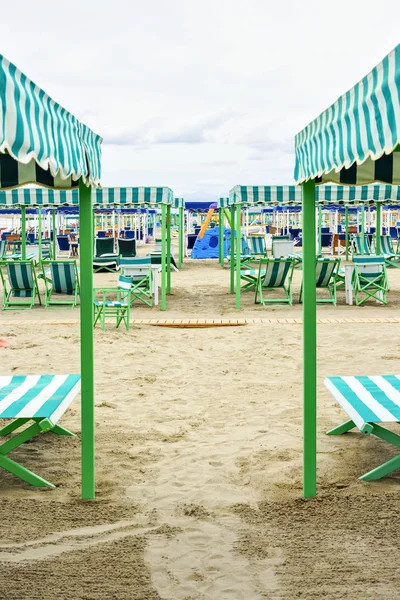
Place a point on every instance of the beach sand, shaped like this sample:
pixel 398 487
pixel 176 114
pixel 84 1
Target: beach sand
pixel 199 457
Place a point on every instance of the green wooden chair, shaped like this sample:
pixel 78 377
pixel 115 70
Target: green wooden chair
pixel 20 287
pixel 360 245
pixel 119 307
pixel 391 258
pixel 370 280
pixel 257 245
pixel 126 247
pixel 61 278
pixel 274 274
pixel 249 269
pixel 327 278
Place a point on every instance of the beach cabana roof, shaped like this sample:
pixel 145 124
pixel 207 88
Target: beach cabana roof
pixel 134 196
pixel 353 142
pixel 40 141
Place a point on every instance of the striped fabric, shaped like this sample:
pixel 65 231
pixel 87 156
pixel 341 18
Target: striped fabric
pixel 40 142
pixel 63 277
pixel 327 194
pixel 178 203
pixel 133 196
pixel 37 396
pixel 352 142
pixel 39 197
pixel 386 245
pixel 369 267
pixel 256 244
pixel 276 271
pixel 367 399
pixel 124 283
pixel 325 268
pixel 21 279
pixel 361 245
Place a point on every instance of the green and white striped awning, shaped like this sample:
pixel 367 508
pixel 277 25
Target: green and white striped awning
pixel 41 142
pixel 38 197
pixel 353 142
pixel 178 203
pixel 133 196
pixel 274 195
pixel 101 197
pixel 223 202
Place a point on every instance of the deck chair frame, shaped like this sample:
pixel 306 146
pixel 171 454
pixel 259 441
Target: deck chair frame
pixel 11 291
pixel 119 308
pixel 391 258
pixel 329 281
pixel 49 302
pixel 277 280
pixel 370 285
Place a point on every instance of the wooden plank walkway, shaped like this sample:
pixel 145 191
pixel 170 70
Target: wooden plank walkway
pixel 202 322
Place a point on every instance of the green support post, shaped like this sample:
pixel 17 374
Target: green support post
pixel 23 232
pixel 319 229
pixel 54 228
pixel 378 230
pixel 238 254
pixel 362 227
pixel 163 256
pixel 232 265
pixel 346 210
pixel 168 249
pixel 309 343
pixel 87 350
pixel 39 214
pixel 221 236
pixel 181 237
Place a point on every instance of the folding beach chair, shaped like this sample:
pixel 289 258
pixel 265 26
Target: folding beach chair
pixel 391 258
pixel 141 277
pixel 249 269
pixel 60 278
pixel 42 399
pixel 22 284
pixel 370 279
pixel 273 274
pixel 127 247
pixel 360 245
pixel 119 307
pixel 257 245
pixel 369 401
pixel 327 278
pixel 105 258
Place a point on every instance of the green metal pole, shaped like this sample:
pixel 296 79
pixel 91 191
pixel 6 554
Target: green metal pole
pixel 23 232
pixel 238 254
pixel 378 230
pixel 181 237
pixel 87 350
pixel 309 344
pixel 54 228
pixel 221 236
pixel 319 229
pixel 346 210
pixel 168 249
pixel 39 213
pixel 163 256
pixel 362 227
pixel 232 265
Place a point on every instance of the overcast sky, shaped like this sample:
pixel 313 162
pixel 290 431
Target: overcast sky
pixel 198 95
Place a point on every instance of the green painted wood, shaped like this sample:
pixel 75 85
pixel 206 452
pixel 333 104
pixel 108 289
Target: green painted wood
pixel 87 348
pixel 343 428
pixel 168 249
pixel 378 230
pixel 23 232
pixel 54 228
pixel 39 216
pixel 238 246
pixel 232 262
pixel 163 257
pixel 309 343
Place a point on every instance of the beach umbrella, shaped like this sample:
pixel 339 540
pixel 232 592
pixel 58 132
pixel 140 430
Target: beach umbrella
pixel 43 144
pixel 354 142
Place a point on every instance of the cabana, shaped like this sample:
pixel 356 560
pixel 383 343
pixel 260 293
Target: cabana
pixel 354 142
pixel 43 144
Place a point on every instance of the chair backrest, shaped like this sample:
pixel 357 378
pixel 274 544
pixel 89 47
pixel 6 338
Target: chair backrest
pixel 282 246
pixel 142 260
pixel 104 246
pixel 369 267
pixel 63 276
pixel 3 247
pixel 63 242
pixel 124 283
pixel 386 244
pixel 256 244
pixel 127 247
pixel 325 269
pixel 21 276
pixel 360 247
pixel 275 271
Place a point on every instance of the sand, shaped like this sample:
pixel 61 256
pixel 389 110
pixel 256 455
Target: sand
pixel 199 458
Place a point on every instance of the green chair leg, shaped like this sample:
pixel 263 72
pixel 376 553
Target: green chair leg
pixel 19 471
pixel 343 428
pixel 387 467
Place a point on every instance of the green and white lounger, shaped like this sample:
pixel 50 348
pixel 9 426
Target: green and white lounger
pixel 360 245
pixel 42 399
pixel 257 245
pixel 22 284
pixel 391 258
pixel 118 307
pixel 370 279
pixel 273 274
pixel 105 258
pixel 369 401
pixel 249 269
pixel 327 277
pixel 61 278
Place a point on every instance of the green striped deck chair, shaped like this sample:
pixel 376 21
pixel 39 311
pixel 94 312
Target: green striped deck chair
pixel 360 245
pixel 40 400
pixel 105 258
pixel 327 277
pixel 391 258
pixel 369 401
pixel 274 274
pixel 257 245
pixel 370 279
pixel 61 278
pixel 126 247
pixel 249 274
pixel 21 289
pixel 118 307
pixel 141 280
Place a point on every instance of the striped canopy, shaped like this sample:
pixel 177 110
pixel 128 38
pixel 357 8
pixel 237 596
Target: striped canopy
pixel 41 142
pixel 325 194
pixel 101 196
pixel 353 141
pixel 178 203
